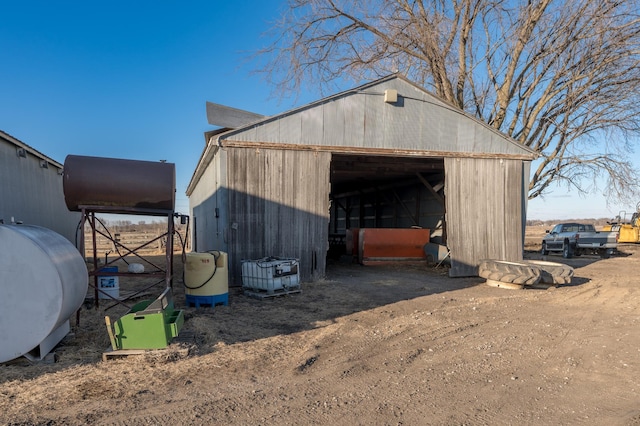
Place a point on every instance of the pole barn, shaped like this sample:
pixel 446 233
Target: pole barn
pixel 387 154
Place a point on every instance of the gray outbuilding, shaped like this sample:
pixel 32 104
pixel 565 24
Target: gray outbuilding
pixel 387 154
pixel 31 189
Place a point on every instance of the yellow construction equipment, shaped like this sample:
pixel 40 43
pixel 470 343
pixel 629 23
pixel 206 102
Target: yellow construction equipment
pixel 628 230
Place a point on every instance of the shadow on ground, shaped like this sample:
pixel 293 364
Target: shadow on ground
pixel 348 288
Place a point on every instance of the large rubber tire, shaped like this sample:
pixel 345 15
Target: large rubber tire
pixel 567 250
pixel 552 272
pixel 509 272
pixel 544 249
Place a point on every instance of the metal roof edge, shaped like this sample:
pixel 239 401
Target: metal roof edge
pixel 19 143
pixel 226 116
pixel 205 157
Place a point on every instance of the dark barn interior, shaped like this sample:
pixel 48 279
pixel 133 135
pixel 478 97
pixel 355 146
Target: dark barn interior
pixel 375 191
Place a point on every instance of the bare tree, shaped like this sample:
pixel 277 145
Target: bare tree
pixel 559 76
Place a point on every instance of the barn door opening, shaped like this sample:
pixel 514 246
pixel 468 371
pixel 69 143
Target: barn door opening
pixel 376 191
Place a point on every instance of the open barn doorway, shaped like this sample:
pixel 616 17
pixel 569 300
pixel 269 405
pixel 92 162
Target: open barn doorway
pixel 377 191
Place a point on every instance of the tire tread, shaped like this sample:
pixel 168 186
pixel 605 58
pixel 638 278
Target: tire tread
pixel 509 272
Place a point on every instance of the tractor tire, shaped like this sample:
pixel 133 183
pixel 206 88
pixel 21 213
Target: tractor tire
pixel 504 272
pixel 552 272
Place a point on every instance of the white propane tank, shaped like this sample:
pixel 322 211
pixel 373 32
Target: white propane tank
pixel 43 281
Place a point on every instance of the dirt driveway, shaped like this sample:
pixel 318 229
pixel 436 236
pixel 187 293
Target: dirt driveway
pixel 368 345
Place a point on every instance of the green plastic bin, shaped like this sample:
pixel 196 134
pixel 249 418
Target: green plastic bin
pixel 150 324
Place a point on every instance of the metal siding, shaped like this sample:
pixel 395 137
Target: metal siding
pixel 278 201
pixel 490 139
pixel 442 135
pixel 353 111
pixel 209 232
pixel 484 218
pixel 466 135
pixel 334 113
pixel 268 133
pixel 411 124
pixel 400 122
pixel 312 126
pixel 362 119
pixel 251 133
pixel 32 194
pixel 290 129
pixel 372 121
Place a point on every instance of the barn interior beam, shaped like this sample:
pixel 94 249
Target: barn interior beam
pixel 432 189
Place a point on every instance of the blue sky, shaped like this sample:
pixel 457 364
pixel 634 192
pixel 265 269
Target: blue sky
pixel 130 80
pixel 561 204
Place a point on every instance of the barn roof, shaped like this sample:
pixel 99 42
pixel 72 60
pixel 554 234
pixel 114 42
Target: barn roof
pixel 389 116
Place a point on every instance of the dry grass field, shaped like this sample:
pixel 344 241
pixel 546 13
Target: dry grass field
pixel 385 345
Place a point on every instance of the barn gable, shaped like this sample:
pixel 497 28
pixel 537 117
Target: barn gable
pixel 364 119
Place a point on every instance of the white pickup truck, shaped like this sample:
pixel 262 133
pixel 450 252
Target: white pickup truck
pixel 576 239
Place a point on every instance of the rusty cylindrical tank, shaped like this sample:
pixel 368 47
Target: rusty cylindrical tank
pixel 118 185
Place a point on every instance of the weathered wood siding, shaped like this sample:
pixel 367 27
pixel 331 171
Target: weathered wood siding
pixel 278 206
pixel 484 203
